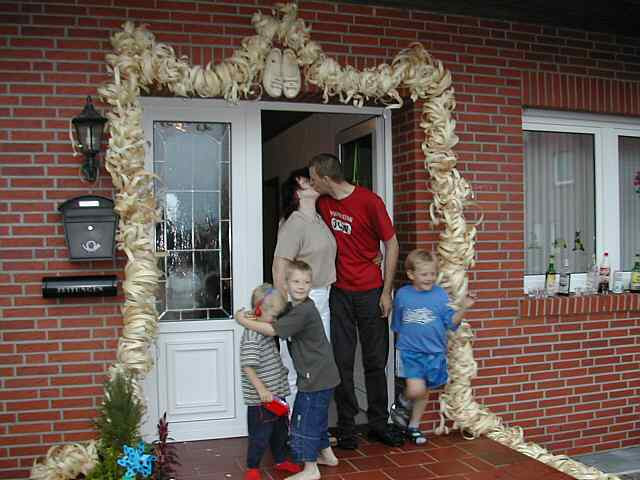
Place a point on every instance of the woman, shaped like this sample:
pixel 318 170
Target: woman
pixel 303 235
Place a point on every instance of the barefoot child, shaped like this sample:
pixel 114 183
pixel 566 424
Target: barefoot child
pixel 421 317
pixel 263 377
pixel 317 371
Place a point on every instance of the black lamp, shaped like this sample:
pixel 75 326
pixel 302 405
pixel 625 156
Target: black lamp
pixel 89 126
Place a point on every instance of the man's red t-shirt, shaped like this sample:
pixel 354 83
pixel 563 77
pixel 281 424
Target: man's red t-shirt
pixel 359 222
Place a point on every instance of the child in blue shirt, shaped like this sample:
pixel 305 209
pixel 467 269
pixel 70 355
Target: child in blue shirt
pixel 421 318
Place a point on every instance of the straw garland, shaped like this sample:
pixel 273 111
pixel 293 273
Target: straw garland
pixel 65 462
pixel 141 66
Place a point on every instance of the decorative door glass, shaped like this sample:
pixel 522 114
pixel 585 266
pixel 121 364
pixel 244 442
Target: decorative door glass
pixel 193 163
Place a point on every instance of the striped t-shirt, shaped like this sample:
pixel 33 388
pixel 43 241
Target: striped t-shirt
pixel 260 353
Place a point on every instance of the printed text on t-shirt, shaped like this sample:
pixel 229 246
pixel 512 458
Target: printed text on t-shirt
pixel 335 214
pixel 418 315
pixel 340 226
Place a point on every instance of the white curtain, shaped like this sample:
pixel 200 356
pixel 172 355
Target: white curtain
pixel 629 151
pixel 559 199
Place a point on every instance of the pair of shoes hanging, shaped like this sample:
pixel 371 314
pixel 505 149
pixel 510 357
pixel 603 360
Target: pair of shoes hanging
pixel 281 74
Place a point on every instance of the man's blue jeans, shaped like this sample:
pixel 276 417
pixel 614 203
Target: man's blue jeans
pixel 309 425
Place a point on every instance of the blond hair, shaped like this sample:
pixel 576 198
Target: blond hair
pixel 267 300
pixel 299 266
pixel 418 257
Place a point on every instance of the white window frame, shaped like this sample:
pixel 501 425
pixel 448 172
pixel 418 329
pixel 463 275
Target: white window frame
pixel 605 129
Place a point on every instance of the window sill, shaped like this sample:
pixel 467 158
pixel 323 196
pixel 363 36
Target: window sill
pixel 585 304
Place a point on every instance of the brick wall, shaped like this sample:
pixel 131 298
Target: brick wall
pixel 572 380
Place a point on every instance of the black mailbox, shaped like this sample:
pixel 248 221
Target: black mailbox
pixel 89 227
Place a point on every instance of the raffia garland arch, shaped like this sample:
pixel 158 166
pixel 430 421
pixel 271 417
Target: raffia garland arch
pixel 141 66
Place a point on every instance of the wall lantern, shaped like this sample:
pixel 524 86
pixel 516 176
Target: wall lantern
pixel 89 126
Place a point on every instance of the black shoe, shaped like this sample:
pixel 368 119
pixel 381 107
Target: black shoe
pixel 389 435
pixel 347 442
pixel 399 415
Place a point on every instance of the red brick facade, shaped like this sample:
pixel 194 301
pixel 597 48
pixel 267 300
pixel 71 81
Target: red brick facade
pixel 570 377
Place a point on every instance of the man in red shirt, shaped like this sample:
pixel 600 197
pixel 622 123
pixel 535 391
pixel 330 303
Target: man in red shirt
pixel 360 300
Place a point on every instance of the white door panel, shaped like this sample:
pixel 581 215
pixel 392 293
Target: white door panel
pixel 212 396
pixel 198 391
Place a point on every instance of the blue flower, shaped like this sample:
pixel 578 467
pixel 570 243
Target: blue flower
pixel 136 461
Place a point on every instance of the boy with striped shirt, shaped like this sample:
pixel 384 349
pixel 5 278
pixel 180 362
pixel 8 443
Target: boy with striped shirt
pixel 263 377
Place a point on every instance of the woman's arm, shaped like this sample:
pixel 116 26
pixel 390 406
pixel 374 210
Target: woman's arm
pixel 279 271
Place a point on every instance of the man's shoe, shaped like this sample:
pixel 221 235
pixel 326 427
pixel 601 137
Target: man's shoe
pixel 272 77
pixel 347 442
pixel 399 415
pixel 389 435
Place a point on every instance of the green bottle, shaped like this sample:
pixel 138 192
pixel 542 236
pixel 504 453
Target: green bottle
pixel 635 275
pixel 551 277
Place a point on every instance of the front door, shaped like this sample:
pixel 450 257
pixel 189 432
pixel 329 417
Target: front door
pixel 207 156
pixel 206 244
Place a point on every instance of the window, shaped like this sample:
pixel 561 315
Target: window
pixel 629 186
pixel 582 191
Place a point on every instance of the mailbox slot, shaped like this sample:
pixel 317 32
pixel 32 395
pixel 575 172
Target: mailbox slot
pixel 88 286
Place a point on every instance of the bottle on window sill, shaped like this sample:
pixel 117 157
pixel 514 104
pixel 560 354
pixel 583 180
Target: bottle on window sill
pixel 592 277
pixel 551 277
pixel 604 272
pixel 634 286
pixel 564 282
pixel 618 282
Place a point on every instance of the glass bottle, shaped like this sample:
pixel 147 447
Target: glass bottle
pixel 564 285
pixel 604 272
pixel 635 275
pixel 551 277
pixel 592 276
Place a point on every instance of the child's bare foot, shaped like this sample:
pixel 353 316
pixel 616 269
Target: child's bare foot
pixel 327 457
pixel 310 472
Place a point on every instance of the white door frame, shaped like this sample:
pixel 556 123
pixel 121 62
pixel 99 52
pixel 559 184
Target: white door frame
pixel 246 190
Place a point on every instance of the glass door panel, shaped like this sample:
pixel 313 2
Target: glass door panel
pixel 193 161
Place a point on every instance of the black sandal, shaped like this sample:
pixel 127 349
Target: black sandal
pixel 416 436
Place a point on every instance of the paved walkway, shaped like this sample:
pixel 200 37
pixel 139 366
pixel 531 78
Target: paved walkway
pixel 624 462
pixel 450 458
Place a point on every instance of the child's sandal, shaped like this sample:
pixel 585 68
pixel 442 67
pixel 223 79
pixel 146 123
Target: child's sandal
pixel 416 436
